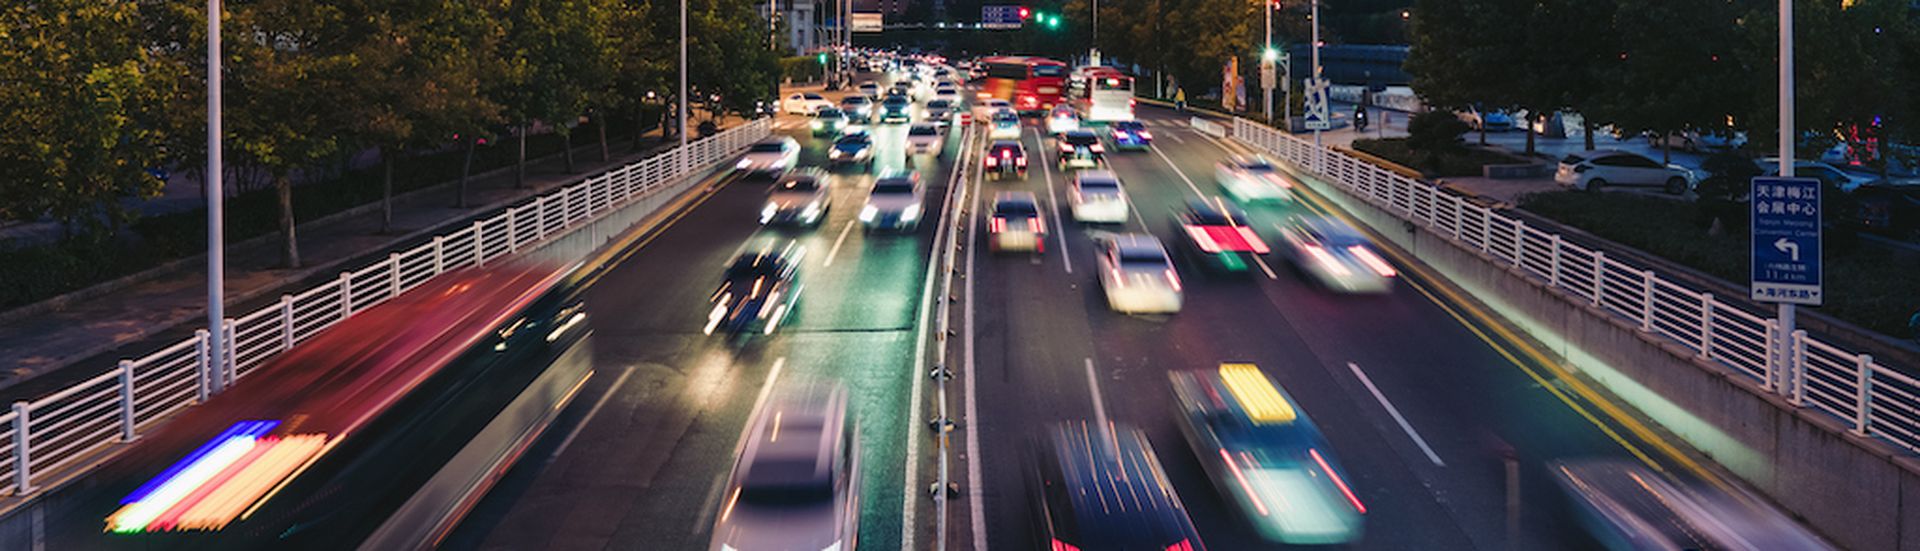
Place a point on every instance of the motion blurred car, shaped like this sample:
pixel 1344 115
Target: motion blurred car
pixel 799 198
pixel 757 292
pixel 1005 125
pixel 1096 196
pixel 796 484
pixel 896 109
pixel 1005 158
pixel 1626 506
pixel 895 202
pixel 1138 276
pixel 939 112
pixel 1100 488
pixel 870 89
pixel 983 110
pixel 858 109
pixel 946 92
pixel 828 122
pixel 1335 254
pixel 1693 140
pixel 1016 224
pixel 1249 179
pixel 1265 456
pixel 1595 170
pixel 1131 135
pixel 805 104
pixel 1079 149
pixel 1062 119
pixel 854 147
pixel 1215 234
pixel 1826 173
pixel 773 155
pixel 925 139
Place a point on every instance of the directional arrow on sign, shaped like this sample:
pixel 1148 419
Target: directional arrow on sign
pixel 1792 249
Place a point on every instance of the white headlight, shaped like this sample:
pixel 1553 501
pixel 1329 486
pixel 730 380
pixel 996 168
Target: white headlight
pixel 867 214
pixel 911 213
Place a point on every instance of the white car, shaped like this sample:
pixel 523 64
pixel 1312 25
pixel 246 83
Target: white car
pixel 799 198
pixel 1595 170
pixel 939 112
pixel 1693 140
pixel 772 155
pixel 1335 254
pixel 805 104
pixel 871 90
pixel 925 139
pixel 983 110
pixel 1252 180
pixel 895 202
pixel 1096 196
pixel 1016 224
pixel 1062 119
pixel 796 484
pixel 946 92
pixel 1138 275
pixel 1005 125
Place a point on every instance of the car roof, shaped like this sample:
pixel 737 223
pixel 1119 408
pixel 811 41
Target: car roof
pixel 1214 212
pixel 797 438
pixel 1097 176
pixel 1113 484
pixel 1015 198
pixel 1132 244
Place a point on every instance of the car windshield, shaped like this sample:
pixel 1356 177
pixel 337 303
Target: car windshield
pixel 1208 216
pixel 1013 206
pixel 786 482
pixel 1129 125
pixel 1007 149
pixel 893 186
pixel 1100 186
pixel 1050 70
pixel 939 104
pixel 851 140
pixel 896 101
pixel 1005 117
pixel 922 131
pixel 1256 166
pixel 768 147
pixel 831 114
pixel 814 97
pixel 1142 257
pixel 854 100
pixel 1082 138
pixel 752 266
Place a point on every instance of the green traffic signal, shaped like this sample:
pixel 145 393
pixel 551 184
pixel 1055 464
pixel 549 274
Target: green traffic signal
pixel 822 57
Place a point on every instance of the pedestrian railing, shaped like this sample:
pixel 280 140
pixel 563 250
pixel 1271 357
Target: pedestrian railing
pixel 43 435
pixel 1873 399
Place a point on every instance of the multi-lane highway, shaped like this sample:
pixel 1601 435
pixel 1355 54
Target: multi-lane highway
pixel 1443 420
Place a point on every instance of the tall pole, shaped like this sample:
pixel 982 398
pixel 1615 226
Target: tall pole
pixel 1312 88
pixel 1266 58
pixel 682 73
pixel 216 227
pixel 1787 136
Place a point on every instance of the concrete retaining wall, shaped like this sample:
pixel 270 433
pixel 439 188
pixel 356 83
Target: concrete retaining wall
pixel 1851 489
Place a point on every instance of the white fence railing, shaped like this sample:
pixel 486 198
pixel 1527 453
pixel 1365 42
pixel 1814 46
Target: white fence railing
pixel 1871 398
pixel 53 431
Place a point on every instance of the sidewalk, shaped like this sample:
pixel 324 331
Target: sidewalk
pixel 45 352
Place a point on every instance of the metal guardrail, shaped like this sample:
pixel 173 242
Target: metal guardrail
pixel 45 434
pixel 1872 399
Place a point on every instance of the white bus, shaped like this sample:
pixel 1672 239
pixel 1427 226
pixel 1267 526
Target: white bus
pixel 1101 94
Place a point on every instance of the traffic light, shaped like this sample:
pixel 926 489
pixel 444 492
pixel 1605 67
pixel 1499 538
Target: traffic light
pixel 822 57
pixel 1024 13
pixel 1053 21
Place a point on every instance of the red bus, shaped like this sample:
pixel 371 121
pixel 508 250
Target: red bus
pixel 1032 84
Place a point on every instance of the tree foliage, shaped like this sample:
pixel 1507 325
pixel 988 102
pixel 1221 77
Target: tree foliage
pixel 84 103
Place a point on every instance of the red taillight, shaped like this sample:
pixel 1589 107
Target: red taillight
pixel 1253 240
pixel 1020 162
pixel 1184 545
pixel 1057 544
pixel 1173 279
pixel 1131 103
pixel 1037 225
pixel 1326 259
pixel 1342 484
pixel 1145 135
pixel 997 225
pixel 1201 239
pixel 992 161
pixel 1097 148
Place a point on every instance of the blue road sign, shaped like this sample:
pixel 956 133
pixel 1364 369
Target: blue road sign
pixel 1786 240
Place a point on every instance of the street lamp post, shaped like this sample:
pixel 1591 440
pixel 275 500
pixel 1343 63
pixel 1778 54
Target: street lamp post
pixel 216 246
pixel 682 121
pixel 1315 16
pixel 1267 60
pixel 1786 310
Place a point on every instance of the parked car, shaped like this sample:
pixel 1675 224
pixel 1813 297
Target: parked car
pixel 805 104
pixel 1595 170
pixel 1693 140
pixel 1491 120
pixel 1826 173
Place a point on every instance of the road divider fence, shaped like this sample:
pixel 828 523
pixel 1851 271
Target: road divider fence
pixel 1871 399
pixel 44 435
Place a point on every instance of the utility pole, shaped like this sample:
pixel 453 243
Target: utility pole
pixel 1787 135
pixel 682 73
pixel 1266 60
pixel 1315 16
pixel 216 226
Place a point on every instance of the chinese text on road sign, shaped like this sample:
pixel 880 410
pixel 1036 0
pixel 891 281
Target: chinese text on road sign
pixel 1786 240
